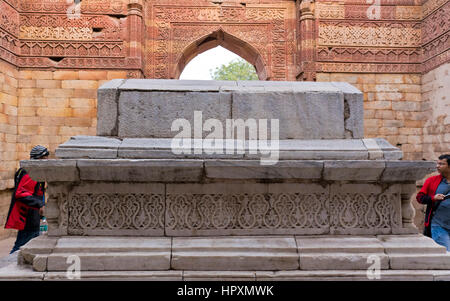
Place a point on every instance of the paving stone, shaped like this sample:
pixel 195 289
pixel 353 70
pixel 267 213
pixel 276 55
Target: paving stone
pixel 118 276
pixel 218 276
pixel 344 275
pixel 14 272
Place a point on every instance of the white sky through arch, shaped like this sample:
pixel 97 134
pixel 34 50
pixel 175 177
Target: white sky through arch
pixel 199 66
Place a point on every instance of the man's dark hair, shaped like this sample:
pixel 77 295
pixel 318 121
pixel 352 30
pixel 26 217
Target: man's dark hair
pixel 446 157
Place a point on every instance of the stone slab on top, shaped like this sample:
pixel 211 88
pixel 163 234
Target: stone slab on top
pixel 95 147
pixel 305 110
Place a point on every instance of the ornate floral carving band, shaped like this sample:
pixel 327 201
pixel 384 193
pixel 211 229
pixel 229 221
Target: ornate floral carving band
pixel 61 6
pixel 336 11
pixel 243 213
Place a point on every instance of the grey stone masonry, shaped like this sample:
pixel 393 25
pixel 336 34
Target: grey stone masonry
pixel 94 147
pixel 190 170
pixel 399 257
pixel 310 199
pixel 147 108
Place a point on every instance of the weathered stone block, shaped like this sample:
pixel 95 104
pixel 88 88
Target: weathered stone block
pixel 107 108
pixel 353 110
pixel 122 170
pixel 400 171
pixel 234 253
pixel 301 115
pixel 155 104
pixel 119 276
pixel 410 244
pixel 90 147
pixel 57 171
pixel 112 254
pixel 152 114
pixel 352 170
pixel 40 263
pixel 219 276
pixel 226 169
pixel 339 252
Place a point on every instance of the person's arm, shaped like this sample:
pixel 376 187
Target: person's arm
pixel 25 193
pixel 32 201
pixel 422 196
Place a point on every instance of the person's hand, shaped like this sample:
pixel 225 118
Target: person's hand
pixel 438 197
pixel 41 211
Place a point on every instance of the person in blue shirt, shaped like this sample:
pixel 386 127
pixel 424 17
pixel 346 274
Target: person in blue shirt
pixel 440 223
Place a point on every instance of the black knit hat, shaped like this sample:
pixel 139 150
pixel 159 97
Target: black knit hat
pixel 38 151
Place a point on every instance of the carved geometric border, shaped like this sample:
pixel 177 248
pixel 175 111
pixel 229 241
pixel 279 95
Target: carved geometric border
pixel 165 18
pixel 231 209
pixel 368 67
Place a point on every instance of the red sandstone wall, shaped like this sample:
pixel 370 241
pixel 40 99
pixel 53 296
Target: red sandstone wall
pixel 8 137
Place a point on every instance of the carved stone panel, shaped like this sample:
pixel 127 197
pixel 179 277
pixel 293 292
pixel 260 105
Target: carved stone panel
pixel 364 209
pixel 109 209
pixel 173 28
pixel 236 209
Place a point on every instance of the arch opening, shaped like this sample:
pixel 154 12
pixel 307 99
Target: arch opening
pixel 227 41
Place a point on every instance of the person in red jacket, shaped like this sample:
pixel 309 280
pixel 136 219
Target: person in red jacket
pixel 435 193
pixel 27 203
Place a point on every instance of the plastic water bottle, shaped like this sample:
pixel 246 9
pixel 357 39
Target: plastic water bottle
pixel 43 228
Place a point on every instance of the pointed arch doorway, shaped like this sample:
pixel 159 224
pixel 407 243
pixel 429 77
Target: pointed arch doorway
pixel 227 41
pixel 262 34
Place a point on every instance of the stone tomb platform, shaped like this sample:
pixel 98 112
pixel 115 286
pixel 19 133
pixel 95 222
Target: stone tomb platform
pixel 286 257
pixel 130 205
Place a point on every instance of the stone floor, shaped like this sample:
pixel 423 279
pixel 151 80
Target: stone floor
pixel 6 246
pixel 15 272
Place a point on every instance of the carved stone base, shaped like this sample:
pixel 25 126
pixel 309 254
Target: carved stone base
pixel 398 257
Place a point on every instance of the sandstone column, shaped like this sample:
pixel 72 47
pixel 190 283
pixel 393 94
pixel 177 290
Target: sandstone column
pixel 306 40
pixel 135 34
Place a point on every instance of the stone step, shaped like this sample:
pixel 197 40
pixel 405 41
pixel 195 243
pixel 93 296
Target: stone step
pixel 405 244
pixel 338 253
pixel 236 253
pixel 95 147
pixel 16 272
pixel 98 244
pixel 110 261
pixel 116 253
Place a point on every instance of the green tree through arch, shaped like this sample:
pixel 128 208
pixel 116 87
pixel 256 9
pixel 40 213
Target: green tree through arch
pixel 237 69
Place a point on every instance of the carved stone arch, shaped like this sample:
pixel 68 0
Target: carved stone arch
pixel 221 38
